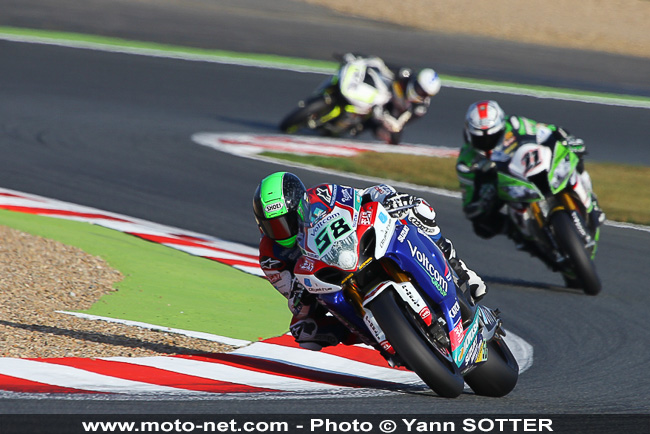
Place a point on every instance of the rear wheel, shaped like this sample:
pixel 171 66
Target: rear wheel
pixel 408 339
pixel 498 375
pixel 570 242
pixel 312 109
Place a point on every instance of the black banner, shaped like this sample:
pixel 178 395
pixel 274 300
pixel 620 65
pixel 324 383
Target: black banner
pixel 303 424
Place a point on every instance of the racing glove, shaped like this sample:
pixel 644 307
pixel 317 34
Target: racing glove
pixel 485 203
pixel 398 204
pixel 416 210
pixel 392 124
pixel 576 145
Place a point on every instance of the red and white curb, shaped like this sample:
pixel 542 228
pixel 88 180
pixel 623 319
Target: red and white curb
pixel 253 144
pixel 275 365
pixel 236 255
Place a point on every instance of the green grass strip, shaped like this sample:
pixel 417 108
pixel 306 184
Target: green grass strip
pixel 33 35
pixel 547 92
pixel 307 65
pixel 167 287
pixel 622 189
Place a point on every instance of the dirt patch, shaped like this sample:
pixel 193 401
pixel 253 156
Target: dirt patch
pixel 615 26
pixel 39 277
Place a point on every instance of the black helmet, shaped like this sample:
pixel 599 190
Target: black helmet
pixel 485 125
pixel 276 204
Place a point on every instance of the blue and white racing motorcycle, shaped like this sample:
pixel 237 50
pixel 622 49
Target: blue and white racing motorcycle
pixel 392 286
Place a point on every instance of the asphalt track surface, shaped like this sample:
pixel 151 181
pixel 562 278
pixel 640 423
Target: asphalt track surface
pixel 113 131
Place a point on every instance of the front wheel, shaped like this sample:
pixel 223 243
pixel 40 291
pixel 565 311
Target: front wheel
pixel 571 244
pixel 312 109
pixel 498 375
pixel 407 338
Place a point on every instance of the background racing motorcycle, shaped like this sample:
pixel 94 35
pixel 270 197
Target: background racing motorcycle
pixel 392 286
pixel 547 202
pixel 343 104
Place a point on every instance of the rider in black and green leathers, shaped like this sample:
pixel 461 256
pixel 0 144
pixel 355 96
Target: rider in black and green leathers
pixel 489 138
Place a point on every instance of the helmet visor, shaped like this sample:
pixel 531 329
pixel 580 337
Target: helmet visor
pixel 415 93
pixel 419 90
pixel 280 228
pixel 486 142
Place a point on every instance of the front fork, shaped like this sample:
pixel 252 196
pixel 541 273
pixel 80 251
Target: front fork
pixel 564 201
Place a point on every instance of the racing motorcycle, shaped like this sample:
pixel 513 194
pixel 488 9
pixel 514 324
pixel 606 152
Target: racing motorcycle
pixel 547 201
pixel 342 104
pixel 391 285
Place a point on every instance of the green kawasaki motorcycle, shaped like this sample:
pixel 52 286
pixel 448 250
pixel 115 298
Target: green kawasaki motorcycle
pixel 547 201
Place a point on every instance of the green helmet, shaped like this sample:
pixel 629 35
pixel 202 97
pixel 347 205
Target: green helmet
pixel 276 203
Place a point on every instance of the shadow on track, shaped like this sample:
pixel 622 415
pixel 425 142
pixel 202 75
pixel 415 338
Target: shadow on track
pixel 103 338
pixel 521 283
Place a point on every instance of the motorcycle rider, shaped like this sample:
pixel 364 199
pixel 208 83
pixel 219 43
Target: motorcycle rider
pixel 489 135
pixel 411 97
pixel 394 98
pixel 276 203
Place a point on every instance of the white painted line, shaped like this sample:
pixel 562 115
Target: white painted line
pixel 189 333
pixel 221 372
pixel 327 363
pixel 179 53
pixel 204 251
pixel 521 349
pixel 247 144
pixel 66 376
pixel 627 226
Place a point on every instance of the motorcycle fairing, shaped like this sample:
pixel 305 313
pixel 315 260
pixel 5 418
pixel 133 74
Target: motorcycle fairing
pixel 472 346
pixel 336 304
pixel 412 251
pixel 329 216
pixel 531 159
pixel 419 256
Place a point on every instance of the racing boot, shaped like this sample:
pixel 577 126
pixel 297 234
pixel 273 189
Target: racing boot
pixel 476 285
pixel 596 215
pixel 316 333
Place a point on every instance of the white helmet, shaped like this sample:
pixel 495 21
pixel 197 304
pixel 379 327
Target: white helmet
pixel 425 84
pixel 485 124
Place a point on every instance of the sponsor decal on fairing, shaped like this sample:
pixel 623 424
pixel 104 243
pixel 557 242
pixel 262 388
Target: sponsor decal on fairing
pixel 346 196
pixel 324 193
pixel 403 234
pixel 469 339
pixel 307 265
pixel 409 294
pixel 438 281
pixel 365 218
pixel 456 335
pixel 455 309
